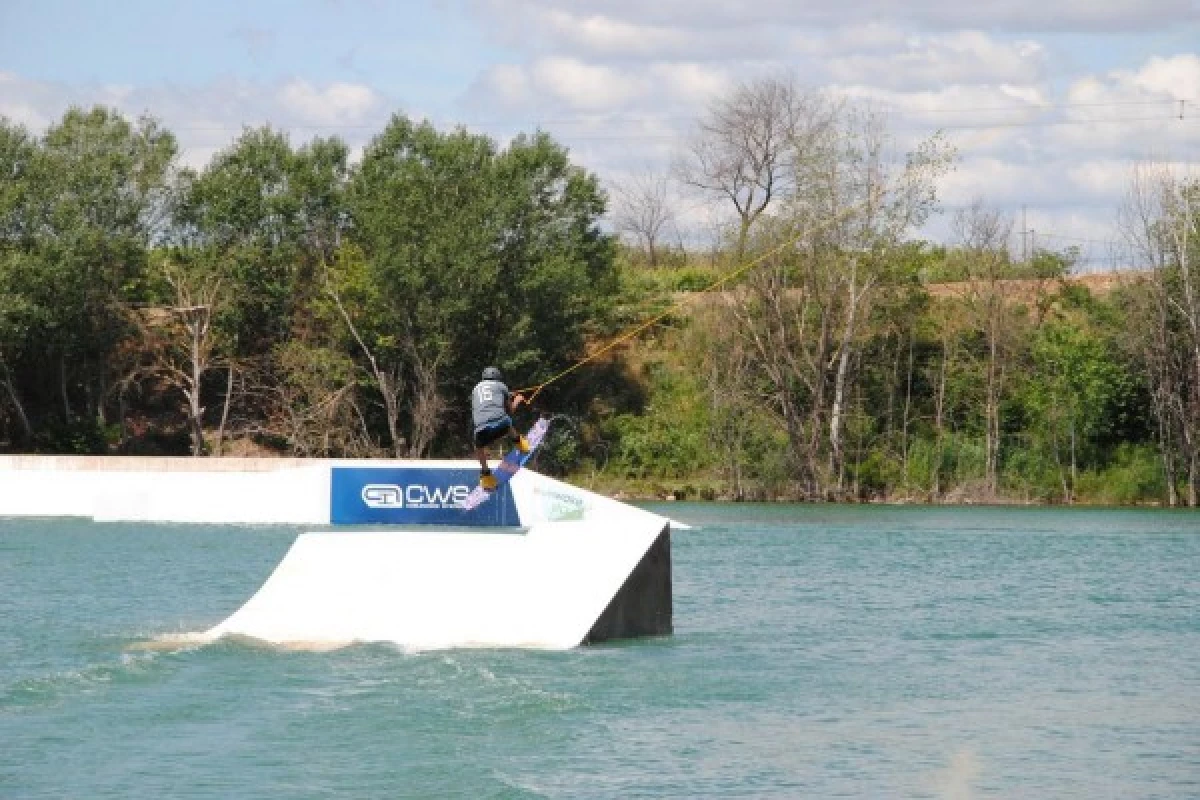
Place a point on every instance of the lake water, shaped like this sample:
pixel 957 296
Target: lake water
pixel 819 652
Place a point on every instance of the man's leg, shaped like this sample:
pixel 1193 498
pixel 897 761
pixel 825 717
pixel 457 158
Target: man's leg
pixel 486 479
pixel 522 442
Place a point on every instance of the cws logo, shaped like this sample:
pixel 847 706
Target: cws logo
pixel 413 496
pixel 390 495
pixel 383 495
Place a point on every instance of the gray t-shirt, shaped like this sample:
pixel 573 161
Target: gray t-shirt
pixel 489 404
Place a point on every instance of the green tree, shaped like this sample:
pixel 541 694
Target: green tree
pixel 88 201
pixel 259 222
pixel 241 216
pixel 1078 391
pixel 17 152
pixel 470 256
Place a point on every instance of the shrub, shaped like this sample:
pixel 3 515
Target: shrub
pixel 1135 476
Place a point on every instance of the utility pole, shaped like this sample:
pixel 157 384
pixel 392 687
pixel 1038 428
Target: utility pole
pixel 1024 234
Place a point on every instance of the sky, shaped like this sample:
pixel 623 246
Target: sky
pixel 1049 103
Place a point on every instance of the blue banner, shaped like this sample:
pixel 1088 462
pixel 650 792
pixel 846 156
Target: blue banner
pixel 414 496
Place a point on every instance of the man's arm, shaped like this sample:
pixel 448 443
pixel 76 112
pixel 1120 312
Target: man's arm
pixel 513 402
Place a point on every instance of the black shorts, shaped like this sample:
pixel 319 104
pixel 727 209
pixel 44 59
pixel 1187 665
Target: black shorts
pixel 492 433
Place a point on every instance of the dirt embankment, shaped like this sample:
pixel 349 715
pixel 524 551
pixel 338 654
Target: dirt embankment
pixel 1099 283
pixel 1024 290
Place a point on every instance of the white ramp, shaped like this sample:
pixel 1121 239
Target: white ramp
pixel 542 564
pixel 556 586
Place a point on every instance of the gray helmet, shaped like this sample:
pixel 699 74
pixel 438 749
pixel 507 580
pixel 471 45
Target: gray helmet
pixel 492 374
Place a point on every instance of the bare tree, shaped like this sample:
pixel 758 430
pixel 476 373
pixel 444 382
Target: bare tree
pixel 745 146
pixel 789 335
pixel 945 322
pixel 426 404
pixel 984 235
pixel 722 358
pixel 388 378
pixel 10 388
pixel 181 346
pixel 404 367
pixel 318 408
pixel 194 309
pixel 1161 220
pixel 643 211
pixel 872 204
pixel 828 249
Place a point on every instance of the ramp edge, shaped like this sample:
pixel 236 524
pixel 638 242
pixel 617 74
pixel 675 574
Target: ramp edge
pixel 643 605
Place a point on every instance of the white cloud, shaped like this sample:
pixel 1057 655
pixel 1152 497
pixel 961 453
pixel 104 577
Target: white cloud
pixel 1023 142
pixel 694 84
pixel 962 57
pixel 338 102
pixel 568 29
pixel 876 36
pixel 574 85
pixel 1134 113
pixel 1178 77
pixel 582 85
pixel 1160 78
pixel 506 86
pixel 1032 96
pixel 23 113
pixel 600 34
pixel 208 118
pixel 1106 177
pixel 980 119
pixel 998 182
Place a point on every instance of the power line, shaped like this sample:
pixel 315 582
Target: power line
pixel 1054 106
pixel 592 119
pixel 1037 107
pixel 982 126
pixel 1064 123
pixel 665 137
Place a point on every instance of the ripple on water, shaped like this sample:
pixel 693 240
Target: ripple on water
pixel 818 652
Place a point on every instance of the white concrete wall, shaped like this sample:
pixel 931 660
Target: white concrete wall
pixel 167 489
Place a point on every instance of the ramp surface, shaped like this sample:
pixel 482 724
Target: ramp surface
pixel 545 588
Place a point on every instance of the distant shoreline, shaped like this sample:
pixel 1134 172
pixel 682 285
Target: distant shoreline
pixel 668 493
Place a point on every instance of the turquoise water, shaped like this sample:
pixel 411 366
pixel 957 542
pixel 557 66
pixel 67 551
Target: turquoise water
pixel 819 652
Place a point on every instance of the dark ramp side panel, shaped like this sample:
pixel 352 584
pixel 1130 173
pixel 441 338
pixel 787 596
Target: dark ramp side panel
pixel 642 607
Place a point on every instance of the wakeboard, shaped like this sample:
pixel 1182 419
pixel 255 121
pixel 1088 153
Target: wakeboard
pixel 509 465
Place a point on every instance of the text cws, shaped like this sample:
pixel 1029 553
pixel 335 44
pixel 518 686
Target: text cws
pixel 414 495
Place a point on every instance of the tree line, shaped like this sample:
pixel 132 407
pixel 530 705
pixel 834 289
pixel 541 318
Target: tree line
pixel 302 302
pixel 855 362
pixel 282 295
